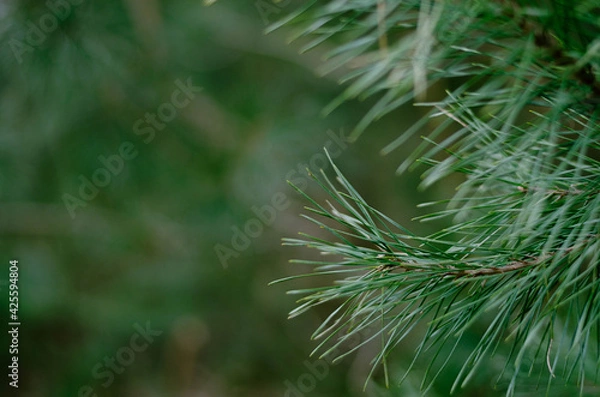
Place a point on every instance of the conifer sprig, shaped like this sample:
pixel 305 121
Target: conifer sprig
pixel 519 121
pixel 390 280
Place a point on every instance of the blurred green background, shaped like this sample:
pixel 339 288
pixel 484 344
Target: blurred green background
pixel 78 79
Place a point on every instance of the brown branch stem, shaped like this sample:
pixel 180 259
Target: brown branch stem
pixel 455 272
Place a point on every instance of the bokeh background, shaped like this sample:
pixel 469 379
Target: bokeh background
pixel 141 253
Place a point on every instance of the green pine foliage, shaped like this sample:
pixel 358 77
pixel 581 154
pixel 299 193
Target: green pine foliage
pixel 519 122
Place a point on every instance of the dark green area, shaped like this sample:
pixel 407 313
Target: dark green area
pixel 143 249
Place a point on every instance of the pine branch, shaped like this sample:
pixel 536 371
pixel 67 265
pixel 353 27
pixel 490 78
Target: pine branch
pixel 402 279
pixel 522 128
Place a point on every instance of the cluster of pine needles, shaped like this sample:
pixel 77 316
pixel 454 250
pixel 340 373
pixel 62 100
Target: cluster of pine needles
pixel 519 121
